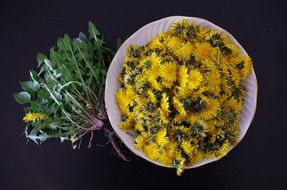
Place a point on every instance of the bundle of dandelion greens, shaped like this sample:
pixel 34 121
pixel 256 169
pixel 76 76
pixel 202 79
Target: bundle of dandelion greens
pixel 65 98
pixel 183 93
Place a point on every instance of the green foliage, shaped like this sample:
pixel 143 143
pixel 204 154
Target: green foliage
pixel 22 97
pixel 68 88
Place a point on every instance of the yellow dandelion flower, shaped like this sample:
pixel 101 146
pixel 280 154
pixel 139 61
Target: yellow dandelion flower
pixel 155 44
pixel 154 83
pixel 233 48
pixel 223 149
pixel 179 129
pixel 158 42
pixel 33 117
pixel 211 109
pixel 187 147
pixel 167 83
pixel 129 61
pixel 225 38
pixel 223 65
pixel 209 65
pixel 133 51
pixel 184 51
pixel 247 67
pixel 216 132
pixel 140 141
pixel 235 132
pixel 235 75
pixel 180 167
pixel 178 106
pixel 194 79
pixel 153 72
pixel 141 105
pixel 164 102
pixel 172 43
pixel 204 51
pixel 223 42
pixel 120 79
pixel 226 90
pixel 138 126
pixel 166 158
pixel 179 118
pixel 213 82
pixel 125 111
pixel 168 71
pixel 145 62
pixel 171 146
pixel 183 91
pixel 199 128
pixel 160 138
pixel 195 156
pixel 141 78
pixel 120 96
pixel 127 124
pixel 168 155
pixel 152 151
pixel 241 63
pixel 151 96
pixel 182 75
pixel 126 96
pixel 214 37
pixel 217 122
pixel 155 61
pixel 233 104
pixel 163 116
pixel 235 60
pixel 180 27
pixel 200 33
pixel 162 36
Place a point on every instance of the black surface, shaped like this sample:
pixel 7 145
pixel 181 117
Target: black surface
pixel 29 27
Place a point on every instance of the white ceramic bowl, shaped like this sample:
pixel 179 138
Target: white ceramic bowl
pixel 142 37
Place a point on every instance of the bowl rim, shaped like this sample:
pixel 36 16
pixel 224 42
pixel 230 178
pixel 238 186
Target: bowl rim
pixel 212 25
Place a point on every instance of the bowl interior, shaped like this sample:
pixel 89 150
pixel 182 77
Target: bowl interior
pixel 142 37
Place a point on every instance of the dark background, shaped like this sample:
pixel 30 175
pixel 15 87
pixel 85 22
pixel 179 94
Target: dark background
pixel 29 27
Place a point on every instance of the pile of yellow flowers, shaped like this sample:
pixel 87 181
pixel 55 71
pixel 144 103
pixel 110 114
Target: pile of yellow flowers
pixel 182 93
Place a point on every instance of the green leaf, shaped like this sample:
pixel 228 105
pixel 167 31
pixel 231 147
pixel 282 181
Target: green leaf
pixel 53 125
pixel 93 31
pixel 67 42
pixel 37 138
pixel 30 86
pixel 42 94
pixel 62 139
pixel 82 36
pixel 40 58
pixel 22 97
pixel 54 56
pixel 34 75
pixel 42 69
pixel 27 109
pixel 36 104
pixel 60 43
